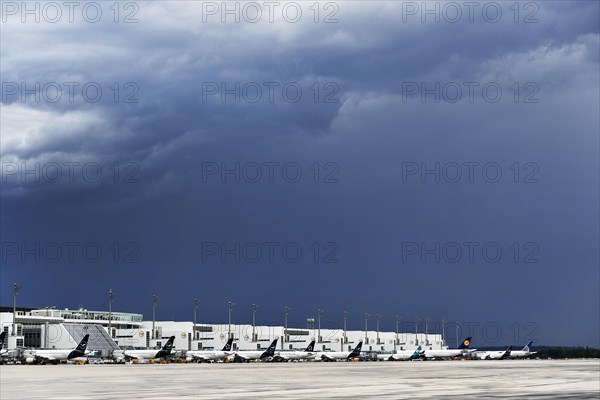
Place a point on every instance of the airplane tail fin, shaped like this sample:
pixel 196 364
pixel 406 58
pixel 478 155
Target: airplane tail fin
pixel 80 349
pixel 2 338
pixel 418 352
pixel 272 347
pixel 169 345
pixel 83 344
pixel 356 352
pixel 465 344
pixel 310 347
pixel 528 346
pixel 227 346
pixel 271 350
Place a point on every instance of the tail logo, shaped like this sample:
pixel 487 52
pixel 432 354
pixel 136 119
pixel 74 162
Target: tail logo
pixel 467 342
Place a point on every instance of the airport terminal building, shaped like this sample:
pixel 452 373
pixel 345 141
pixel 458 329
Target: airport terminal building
pixel 62 328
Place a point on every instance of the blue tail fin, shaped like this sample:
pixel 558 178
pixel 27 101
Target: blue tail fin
pixel 310 347
pixel 270 352
pixel 356 352
pixel 465 344
pixel 417 353
pixel 169 345
pixel 272 346
pixel 83 344
pixel 80 349
pixel 227 346
pixel 528 346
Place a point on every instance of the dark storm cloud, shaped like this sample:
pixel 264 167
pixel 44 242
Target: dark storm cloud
pixel 171 205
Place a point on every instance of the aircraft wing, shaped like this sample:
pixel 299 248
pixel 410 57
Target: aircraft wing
pixel 239 358
pixel 279 357
pixel 130 357
pixel 198 357
pixel 45 358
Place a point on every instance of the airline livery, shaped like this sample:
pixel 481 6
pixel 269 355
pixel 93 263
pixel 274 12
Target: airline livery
pixel 495 355
pixel 151 354
pixel 340 355
pixel 524 352
pixel 246 355
pixel 449 353
pixel 210 355
pixel 306 354
pixel 2 338
pixel 55 356
pixel 403 355
pixel 508 353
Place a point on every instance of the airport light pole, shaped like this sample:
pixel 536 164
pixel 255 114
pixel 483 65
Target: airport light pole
pixel 111 296
pixel 319 312
pixel 397 324
pixel 196 302
pixel 154 302
pixel 366 328
pixel 416 330
pixel 457 334
pixel 286 311
pixel 345 319
pixel 16 289
pixel 378 319
pixel 229 307
pixel 254 307
pixel 443 328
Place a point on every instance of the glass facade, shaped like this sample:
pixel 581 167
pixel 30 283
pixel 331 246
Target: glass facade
pixel 89 315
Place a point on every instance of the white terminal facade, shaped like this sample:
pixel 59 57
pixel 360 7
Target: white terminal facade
pixel 56 328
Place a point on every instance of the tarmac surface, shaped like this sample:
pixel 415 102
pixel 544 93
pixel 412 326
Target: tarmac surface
pixel 537 379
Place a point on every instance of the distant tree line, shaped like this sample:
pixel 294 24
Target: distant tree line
pixel 566 352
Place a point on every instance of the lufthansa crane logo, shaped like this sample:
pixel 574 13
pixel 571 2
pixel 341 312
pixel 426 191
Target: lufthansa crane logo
pixel 466 343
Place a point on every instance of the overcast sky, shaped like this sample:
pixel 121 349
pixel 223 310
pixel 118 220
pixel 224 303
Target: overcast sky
pixel 360 156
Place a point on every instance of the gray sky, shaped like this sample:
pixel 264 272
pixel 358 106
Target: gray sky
pixel 365 158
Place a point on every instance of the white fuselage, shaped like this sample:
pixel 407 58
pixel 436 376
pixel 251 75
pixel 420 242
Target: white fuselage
pixel 521 353
pixel 250 355
pixel 332 355
pixel 447 353
pixel 297 355
pixel 398 356
pixel 50 355
pixel 142 354
pixel 491 355
pixel 204 355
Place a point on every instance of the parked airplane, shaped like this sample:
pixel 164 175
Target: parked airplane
pixel 2 338
pixel 305 354
pixel 494 355
pixel 524 352
pixel 340 355
pixel 151 354
pixel 55 356
pixel 449 353
pixel 210 355
pixel 402 355
pixel 246 355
